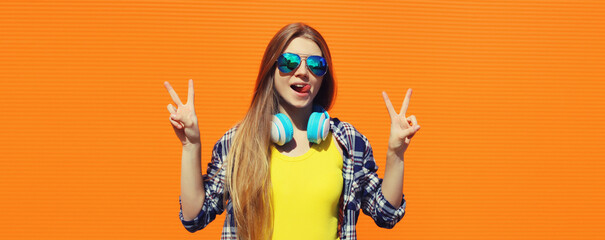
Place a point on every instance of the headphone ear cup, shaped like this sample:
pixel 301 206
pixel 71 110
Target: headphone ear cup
pixel 276 131
pixel 318 125
pixel 326 124
pixel 313 134
pixel 281 129
pixel 324 127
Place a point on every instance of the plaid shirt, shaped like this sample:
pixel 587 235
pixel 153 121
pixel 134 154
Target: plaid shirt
pixel 361 188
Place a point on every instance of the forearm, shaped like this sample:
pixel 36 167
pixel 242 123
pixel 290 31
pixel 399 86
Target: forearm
pixel 392 184
pixel 192 188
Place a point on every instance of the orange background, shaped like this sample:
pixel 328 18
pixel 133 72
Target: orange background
pixel 509 95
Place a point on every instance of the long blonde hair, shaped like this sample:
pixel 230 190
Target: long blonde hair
pixel 248 181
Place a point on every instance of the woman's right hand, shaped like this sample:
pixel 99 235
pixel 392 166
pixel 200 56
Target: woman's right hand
pixel 183 119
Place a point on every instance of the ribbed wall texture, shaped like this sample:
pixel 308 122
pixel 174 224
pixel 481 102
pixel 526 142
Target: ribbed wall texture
pixel 509 94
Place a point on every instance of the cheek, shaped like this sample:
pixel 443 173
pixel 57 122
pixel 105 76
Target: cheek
pixel 280 82
pixel 276 78
pixel 318 82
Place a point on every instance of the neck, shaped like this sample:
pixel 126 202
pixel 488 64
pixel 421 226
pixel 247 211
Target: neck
pixel 298 116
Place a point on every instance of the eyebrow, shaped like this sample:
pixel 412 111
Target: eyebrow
pixel 305 55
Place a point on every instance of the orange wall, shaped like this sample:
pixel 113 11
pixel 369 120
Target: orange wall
pixel 509 96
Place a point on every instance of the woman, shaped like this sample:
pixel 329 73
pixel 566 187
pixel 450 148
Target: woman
pixel 303 188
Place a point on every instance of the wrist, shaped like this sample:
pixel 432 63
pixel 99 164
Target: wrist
pixel 192 146
pixel 395 154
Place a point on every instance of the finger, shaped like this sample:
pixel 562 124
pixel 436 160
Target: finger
pixel 171 109
pixel 183 120
pixel 176 124
pixel 191 96
pixel 175 97
pixel 406 124
pixel 403 135
pixel 177 118
pixel 406 102
pixel 413 131
pixel 174 116
pixel 389 105
pixel 407 134
pixel 412 119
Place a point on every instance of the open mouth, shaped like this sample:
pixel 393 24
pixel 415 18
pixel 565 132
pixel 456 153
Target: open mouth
pixel 301 88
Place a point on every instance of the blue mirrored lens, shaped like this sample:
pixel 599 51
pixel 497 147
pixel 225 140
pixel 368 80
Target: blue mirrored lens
pixel 287 62
pixel 317 65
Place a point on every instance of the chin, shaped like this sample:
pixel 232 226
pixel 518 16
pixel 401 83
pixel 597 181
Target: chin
pixel 299 103
pixel 302 105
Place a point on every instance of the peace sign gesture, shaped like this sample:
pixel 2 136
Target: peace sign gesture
pixel 402 128
pixel 183 118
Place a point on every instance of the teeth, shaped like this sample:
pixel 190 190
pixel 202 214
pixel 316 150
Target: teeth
pixel 299 85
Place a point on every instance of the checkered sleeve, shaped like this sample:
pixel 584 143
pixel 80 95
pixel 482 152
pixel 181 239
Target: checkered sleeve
pixel 373 202
pixel 214 188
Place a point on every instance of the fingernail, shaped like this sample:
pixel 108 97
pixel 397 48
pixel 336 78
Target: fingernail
pixel 172 116
pixel 417 127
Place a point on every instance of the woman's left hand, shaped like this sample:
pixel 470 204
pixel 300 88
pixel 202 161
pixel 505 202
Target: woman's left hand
pixel 402 128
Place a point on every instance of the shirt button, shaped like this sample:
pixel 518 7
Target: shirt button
pixel 352 206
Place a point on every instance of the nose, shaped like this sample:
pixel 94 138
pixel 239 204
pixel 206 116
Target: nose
pixel 302 70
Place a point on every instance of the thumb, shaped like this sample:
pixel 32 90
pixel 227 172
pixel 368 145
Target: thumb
pixel 409 132
pixel 177 119
pixel 413 130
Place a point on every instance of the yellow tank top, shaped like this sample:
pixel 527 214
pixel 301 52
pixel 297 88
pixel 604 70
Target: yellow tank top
pixel 306 190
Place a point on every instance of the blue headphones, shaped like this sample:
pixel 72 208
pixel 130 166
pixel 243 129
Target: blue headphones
pixel 317 127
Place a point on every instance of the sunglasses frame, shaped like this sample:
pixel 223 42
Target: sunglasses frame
pixel 302 58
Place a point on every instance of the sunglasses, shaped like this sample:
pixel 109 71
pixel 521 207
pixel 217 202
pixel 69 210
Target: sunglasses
pixel 289 62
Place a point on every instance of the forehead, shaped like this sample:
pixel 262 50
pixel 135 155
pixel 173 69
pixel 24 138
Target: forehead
pixel 303 46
